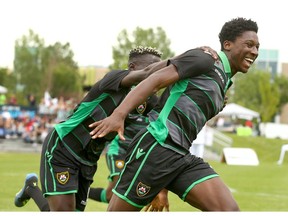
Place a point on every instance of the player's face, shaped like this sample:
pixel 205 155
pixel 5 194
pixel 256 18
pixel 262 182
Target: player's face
pixel 243 52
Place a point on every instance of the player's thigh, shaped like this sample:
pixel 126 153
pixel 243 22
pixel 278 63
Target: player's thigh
pixel 200 186
pixel 61 202
pixel 118 204
pixel 212 195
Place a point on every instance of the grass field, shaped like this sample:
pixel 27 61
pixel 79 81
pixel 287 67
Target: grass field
pixel 255 188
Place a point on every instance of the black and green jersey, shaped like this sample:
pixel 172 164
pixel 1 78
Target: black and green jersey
pixel 185 107
pixel 135 121
pixel 99 103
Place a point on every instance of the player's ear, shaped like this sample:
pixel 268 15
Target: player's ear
pixel 227 45
pixel 131 66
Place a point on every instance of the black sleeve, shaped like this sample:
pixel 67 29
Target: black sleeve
pixel 112 80
pixel 193 63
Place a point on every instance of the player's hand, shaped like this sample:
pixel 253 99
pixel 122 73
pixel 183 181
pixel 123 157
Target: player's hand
pixel 210 51
pixel 107 125
pixel 159 203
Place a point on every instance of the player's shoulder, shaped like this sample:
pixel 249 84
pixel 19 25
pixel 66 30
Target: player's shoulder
pixel 202 58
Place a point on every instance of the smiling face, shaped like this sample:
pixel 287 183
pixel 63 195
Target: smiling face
pixel 242 52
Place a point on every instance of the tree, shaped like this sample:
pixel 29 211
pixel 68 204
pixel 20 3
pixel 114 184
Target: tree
pixel 5 79
pixel 3 75
pixel 61 72
pixel 8 80
pixel 257 91
pixel 28 65
pixel 155 38
pixel 282 83
pixel 38 68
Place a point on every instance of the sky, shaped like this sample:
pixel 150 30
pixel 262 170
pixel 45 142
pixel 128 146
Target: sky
pixel 92 26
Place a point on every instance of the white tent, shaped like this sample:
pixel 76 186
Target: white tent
pixel 3 89
pixel 235 110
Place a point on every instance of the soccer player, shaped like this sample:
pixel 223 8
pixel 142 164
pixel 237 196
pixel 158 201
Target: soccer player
pixel 69 155
pixel 159 156
pixel 138 58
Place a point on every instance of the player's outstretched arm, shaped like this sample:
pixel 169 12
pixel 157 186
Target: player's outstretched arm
pixel 160 79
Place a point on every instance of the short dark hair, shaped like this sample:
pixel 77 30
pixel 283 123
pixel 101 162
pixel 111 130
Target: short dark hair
pixel 235 27
pixel 140 50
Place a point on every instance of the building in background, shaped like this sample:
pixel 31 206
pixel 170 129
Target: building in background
pixel 268 60
pixel 285 69
pixel 91 75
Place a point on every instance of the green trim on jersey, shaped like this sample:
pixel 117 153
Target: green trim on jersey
pixel 227 69
pixel 81 113
pixel 225 62
pixel 158 128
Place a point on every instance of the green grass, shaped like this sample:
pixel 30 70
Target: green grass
pixel 255 188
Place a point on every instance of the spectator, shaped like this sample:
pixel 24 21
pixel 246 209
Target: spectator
pixel 12 100
pixel 2 128
pixel 31 100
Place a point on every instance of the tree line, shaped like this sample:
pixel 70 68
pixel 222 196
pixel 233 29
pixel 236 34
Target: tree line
pixel 39 68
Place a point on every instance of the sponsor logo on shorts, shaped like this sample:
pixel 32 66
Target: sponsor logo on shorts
pixel 139 153
pixel 119 164
pixel 62 177
pixel 142 189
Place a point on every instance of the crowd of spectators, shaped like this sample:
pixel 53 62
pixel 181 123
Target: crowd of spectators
pixel 32 125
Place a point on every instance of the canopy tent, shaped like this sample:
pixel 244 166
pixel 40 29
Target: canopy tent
pixel 3 89
pixel 235 110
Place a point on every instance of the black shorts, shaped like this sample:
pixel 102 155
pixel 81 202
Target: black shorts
pixel 150 167
pixel 61 173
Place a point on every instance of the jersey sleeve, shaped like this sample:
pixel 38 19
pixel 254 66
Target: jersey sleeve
pixel 192 63
pixel 112 80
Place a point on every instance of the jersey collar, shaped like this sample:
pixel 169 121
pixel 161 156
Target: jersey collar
pixel 225 62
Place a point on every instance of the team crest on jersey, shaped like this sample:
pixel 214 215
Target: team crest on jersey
pixel 119 164
pixel 62 177
pixel 141 108
pixel 142 189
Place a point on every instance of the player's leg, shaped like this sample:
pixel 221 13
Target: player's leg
pixel 212 195
pixel 149 167
pixel 59 174
pixel 118 204
pixel 102 194
pixel 31 190
pixel 62 202
pixel 76 201
pixel 98 194
pixel 111 185
pixel 200 186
